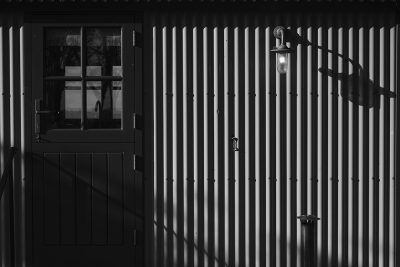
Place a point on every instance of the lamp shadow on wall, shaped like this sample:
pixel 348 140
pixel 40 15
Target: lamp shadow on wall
pixel 356 87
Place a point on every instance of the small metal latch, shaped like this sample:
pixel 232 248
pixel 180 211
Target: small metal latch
pixel 235 144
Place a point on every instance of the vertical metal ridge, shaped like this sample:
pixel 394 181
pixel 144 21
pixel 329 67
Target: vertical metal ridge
pixel 205 144
pixel 293 176
pixel 236 135
pixel 186 179
pixel 352 172
pixel 318 157
pixel 362 138
pixel 226 142
pixel 374 79
pixel 272 155
pixel 309 120
pixel 385 156
pixel 200 120
pixel 345 146
pixel 251 137
pixel 160 174
pixel 299 137
pixel 285 165
pixel 223 157
pixel 216 143
pixel 232 154
pixel 335 147
pixel 211 156
pixel 155 144
pixel 242 136
pixel 174 144
pixel 268 178
pixel 180 191
pixel 191 180
pixel 278 160
pixel 315 117
pixel 168 143
pixel 257 148
pixel 370 177
pixel 392 149
pixel 340 155
pixel 195 150
pixel 385 44
pixel 262 109
pixel 247 143
pixel 378 81
pixel 330 178
pixel 289 162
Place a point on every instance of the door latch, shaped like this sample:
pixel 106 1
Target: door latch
pixel 235 144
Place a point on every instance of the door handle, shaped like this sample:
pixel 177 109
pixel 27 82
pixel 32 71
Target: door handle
pixel 38 113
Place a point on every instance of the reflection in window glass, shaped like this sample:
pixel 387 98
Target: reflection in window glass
pixel 104 49
pixel 62 52
pixel 104 104
pixel 64 98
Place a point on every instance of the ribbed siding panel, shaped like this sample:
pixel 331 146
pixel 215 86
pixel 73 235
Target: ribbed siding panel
pixel 318 140
pixel 12 131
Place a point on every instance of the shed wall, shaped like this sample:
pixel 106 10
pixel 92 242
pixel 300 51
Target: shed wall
pixel 309 142
pixel 320 140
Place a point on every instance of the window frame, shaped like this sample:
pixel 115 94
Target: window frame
pixel 129 72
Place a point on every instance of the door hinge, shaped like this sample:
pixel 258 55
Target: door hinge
pixel 136 39
pixel 138 164
pixel 138 121
pixel 134 237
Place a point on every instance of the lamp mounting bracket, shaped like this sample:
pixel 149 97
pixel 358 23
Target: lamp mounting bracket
pixel 278 32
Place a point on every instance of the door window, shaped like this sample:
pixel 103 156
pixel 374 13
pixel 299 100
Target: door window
pixel 83 78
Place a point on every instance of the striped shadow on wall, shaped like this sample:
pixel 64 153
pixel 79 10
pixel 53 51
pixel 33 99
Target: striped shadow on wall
pixel 319 140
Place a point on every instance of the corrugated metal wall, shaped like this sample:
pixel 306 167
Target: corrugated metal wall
pixel 319 140
pixel 12 131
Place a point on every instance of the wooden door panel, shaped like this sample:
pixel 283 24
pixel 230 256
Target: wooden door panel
pixel 84 196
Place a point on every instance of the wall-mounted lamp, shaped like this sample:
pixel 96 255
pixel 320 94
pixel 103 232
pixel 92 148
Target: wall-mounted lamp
pixel 282 51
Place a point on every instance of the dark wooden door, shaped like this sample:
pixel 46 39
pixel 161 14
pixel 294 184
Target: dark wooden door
pixel 85 189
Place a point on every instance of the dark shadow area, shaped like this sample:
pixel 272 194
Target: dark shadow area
pixel 356 87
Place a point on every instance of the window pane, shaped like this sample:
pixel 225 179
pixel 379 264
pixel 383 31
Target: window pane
pixel 64 98
pixel 104 50
pixel 62 52
pixel 104 104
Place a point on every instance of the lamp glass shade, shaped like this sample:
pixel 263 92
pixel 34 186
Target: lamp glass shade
pixel 282 62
